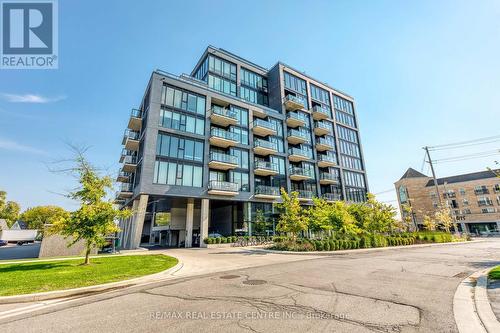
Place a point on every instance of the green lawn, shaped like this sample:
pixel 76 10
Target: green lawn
pixel 495 273
pixel 27 278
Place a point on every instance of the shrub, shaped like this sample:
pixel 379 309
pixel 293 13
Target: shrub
pixel 365 242
pixel 326 245
pixel 318 245
pixel 217 240
pixel 332 245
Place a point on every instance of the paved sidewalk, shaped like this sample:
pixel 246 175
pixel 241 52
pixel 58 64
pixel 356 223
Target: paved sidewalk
pixel 494 297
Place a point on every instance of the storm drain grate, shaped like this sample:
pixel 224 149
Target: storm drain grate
pixel 228 277
pixel 462 275
pixel 254 282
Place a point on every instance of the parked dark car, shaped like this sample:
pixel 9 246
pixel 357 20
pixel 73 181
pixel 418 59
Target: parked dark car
pixel 3 243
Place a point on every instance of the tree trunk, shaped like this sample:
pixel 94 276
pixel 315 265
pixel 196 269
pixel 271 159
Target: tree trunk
pixel 87 255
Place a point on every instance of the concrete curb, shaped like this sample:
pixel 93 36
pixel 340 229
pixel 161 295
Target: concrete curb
pixel 483 306
pixel 372 249
pixel 84 291
pixel 471 307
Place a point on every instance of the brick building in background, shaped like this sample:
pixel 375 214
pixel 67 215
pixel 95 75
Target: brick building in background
pixel 473 198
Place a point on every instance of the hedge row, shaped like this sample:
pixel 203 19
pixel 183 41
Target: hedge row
pixel 234 239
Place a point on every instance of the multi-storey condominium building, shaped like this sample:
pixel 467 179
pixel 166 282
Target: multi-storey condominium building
pixel 208 151
pixel 473 199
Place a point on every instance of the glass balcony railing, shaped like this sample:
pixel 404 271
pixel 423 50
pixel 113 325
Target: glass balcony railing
pixel 267 190
pixel 296 116
pixel 323 125
pixel 133 135
pixel 304 194
pixel 327 158
pixel 265 144
pixel 331 196
pixel 218 185
pixel 266 165
pixel 224 112
pixel 264 123
pixel 124 174
pixel 136 113
pixel 326 142
pixel 124 187
pixel 130 159
pixel 328 176
pixel 300 171
pixel 322 110
pixel 301 152
pixel 224 158
pixel 220 133
pixel 297 133
pixel 294 99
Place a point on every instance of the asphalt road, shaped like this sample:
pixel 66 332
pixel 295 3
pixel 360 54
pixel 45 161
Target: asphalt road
pixel 19 252
pixel 396 290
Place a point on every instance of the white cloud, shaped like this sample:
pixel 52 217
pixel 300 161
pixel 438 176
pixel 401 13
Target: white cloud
pixel 31 98
pixel 14 146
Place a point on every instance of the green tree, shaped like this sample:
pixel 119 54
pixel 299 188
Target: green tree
pixel 443 217
pixel 373 216
pixel 95 217
pixel 341 220
pixel 319 215
pixel 37 217
pixel 9 210
pixel 260 222
pixel 292 219
pixel 407 217
pixel 429 223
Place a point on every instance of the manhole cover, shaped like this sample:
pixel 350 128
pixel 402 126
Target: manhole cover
pixel 254 282
pixel 228 277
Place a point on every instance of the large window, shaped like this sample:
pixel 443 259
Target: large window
pixel 253 87
pixel 182 122
pixel 344 111
pixel 222 85
pixel 320 95
pixel 222 67
pixel 240 178
pixel 253 80
pixel 241 114
pixel 242 155
pixel 242 134
pixel 183 100
pixel 354 179
pixel 176 147
pixel 254 96
pixel 294 83
pixel 172 173
pixel 349 148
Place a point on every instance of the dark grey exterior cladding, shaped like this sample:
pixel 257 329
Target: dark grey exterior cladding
pixel 151 108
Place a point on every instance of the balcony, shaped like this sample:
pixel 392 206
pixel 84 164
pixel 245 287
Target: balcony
pixel 295 119
pixel 222 116
pixel 135 121
pixel 296 137
pixel 326 178
pixel 263 128
pixel 223 138
pixel 259 113
pixel 123 177
pixel 131 140
pixel 221 161
pixel 263 168
pixel 298 155
pixel 267 192
pixel 218 187
pixel 325 160
pixel 331 197
pixel 322 128
pixel 125 191
pixel 297 173
pixel 129 163
pixel 479 191
pixel 320 113
pixel 293 103
pixel 323 144
pixel 263 147
pixel 304 195
pixel 125 153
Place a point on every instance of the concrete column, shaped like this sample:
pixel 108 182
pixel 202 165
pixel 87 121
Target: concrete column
pixel 204 221
pixel 138 220
pixel 189 222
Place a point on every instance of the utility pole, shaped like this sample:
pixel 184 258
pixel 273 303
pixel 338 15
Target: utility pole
pixel 433 174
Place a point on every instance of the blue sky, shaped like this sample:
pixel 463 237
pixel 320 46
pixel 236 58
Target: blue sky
pixel 422 73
